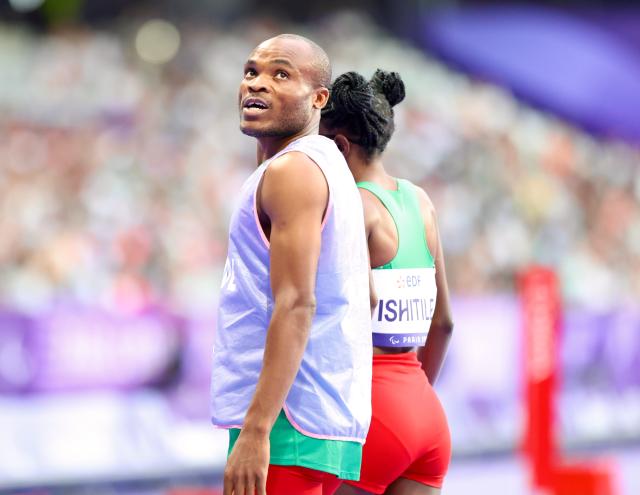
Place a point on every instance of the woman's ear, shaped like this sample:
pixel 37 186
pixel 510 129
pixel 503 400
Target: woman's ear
pixel 343 144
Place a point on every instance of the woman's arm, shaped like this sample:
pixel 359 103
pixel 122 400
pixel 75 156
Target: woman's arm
pixel 433 353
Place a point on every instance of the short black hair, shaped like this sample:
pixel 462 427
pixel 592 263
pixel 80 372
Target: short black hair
pixel 320 62
pixel 364 109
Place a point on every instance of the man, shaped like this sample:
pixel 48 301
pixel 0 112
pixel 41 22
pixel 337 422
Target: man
pixel 292 358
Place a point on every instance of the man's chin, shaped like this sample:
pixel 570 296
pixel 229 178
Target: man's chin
pixel 251 131
pixel 257 132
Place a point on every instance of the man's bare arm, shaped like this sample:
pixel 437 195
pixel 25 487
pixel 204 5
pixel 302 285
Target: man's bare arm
pixel 294 195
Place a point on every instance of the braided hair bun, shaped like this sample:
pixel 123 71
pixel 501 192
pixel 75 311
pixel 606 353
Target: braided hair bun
pixel 363 109
pixel 351 94
pixel 390 85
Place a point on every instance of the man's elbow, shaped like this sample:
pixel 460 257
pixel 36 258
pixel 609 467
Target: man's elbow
pixel 307 306
pixel 304 305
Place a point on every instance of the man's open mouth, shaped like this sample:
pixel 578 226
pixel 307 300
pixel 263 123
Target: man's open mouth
pixel 255 103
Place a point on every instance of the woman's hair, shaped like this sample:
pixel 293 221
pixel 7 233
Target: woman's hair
pixel 364 109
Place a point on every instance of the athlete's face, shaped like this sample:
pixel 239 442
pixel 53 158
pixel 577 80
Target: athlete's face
pixel 277 97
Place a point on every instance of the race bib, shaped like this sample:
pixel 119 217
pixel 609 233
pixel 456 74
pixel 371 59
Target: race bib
pixel 406 302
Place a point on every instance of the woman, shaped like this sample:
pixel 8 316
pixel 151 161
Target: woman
pixel 408 447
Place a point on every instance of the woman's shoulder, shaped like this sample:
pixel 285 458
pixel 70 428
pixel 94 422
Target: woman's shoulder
pixel 423 197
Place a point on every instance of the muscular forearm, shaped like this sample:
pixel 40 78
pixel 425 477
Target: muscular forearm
pixel 286 341
pixel 433 353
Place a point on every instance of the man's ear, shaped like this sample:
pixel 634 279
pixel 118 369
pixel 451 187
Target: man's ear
pixel 321 98
pixel 343 144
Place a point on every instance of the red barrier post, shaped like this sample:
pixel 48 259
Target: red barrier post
pixel 540 301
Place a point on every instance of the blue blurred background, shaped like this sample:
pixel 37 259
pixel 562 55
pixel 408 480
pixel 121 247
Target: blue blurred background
pixel 120 158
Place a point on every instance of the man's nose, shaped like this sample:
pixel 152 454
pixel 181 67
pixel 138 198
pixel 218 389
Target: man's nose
pixel 257 84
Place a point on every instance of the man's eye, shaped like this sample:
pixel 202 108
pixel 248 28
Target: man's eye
pixel 282 75
pixel 249 73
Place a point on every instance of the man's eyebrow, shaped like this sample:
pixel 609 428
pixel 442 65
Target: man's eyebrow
pixel 282 61
pixel 278 61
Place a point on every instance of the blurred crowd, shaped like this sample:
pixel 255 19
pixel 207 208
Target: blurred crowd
pixel 118 175
pixel 119 167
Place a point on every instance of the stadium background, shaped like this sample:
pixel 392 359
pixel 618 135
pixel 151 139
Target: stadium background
pixel 120 156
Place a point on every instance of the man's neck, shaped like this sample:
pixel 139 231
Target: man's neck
pixel 269 146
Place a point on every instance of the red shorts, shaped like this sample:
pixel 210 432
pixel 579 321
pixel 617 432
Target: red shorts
pixel 289 480
pixel 409 435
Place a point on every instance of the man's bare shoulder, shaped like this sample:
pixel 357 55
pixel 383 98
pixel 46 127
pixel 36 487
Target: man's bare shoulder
pixel 293 180
pixel 294 164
